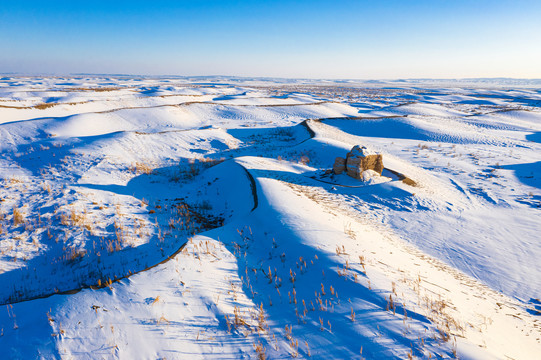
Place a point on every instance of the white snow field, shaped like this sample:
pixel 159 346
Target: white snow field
pixel 193 218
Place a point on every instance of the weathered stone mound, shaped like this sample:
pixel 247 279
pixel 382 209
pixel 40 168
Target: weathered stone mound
pixel 358 160
pixel 339 165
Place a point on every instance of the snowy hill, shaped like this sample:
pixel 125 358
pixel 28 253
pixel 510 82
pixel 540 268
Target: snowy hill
pixel 186 218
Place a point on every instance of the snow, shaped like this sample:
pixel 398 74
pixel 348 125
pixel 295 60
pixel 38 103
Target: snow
pixel 188 218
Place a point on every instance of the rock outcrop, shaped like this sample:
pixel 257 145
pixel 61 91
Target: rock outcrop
pixel 358 160
pixel 339 165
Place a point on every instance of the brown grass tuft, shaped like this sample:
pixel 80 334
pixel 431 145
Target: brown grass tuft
pixel 141 168
pixel 18 217
pixel 44 106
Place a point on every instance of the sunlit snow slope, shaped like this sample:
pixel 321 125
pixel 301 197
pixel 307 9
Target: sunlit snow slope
pixel 186 218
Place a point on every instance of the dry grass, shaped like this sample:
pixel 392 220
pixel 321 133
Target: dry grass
pixel 304 160
pixel 142 168
pixel 44 106
pixel 409 181
pixel 194 168
pixel 72 254
pixel 103 89
pixel 46 187
pixel 302 157
pixel 75 219
pixel 260 351
pixel 18 217
pixel 156 300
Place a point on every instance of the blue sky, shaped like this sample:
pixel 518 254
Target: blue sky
pixel 314 39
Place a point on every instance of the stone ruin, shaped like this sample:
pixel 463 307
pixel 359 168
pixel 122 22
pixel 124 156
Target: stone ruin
pixel 357 161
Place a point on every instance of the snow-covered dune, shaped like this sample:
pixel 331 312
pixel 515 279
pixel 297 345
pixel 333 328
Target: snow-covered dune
pixel 198 218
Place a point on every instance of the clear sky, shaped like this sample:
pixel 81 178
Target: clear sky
pixel 315 39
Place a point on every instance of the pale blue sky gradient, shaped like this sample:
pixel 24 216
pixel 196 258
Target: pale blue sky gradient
pixel 313 39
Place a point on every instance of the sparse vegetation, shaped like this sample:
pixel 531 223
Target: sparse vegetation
pixel 18 217
pixel 326 276
pixel 141 168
